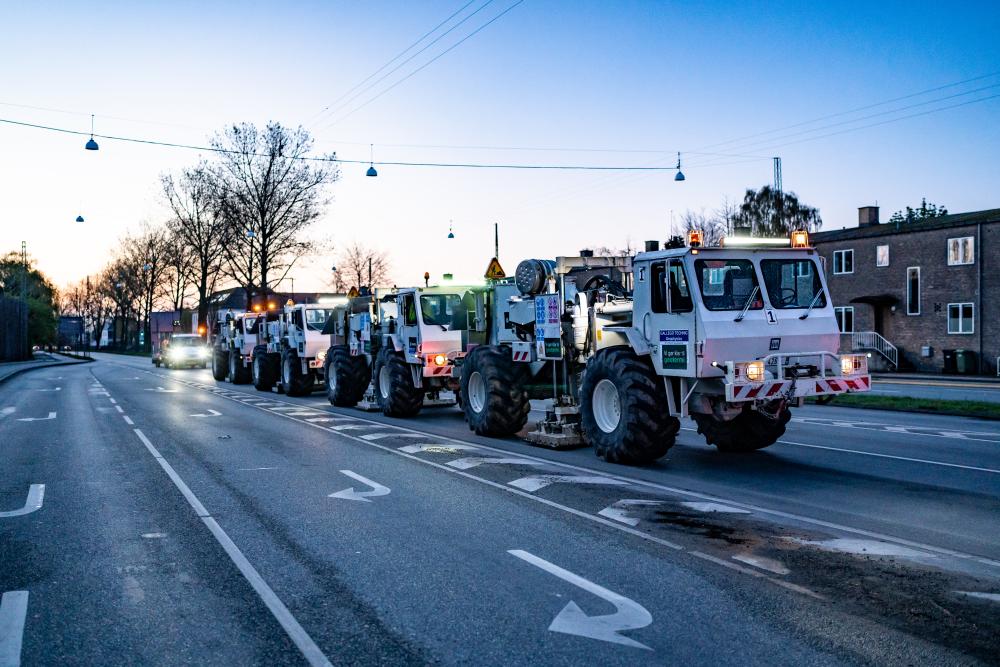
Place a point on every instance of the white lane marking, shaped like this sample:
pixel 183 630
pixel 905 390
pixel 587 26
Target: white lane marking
pixel 52 415
pixel 863 547
pixel 36 494
pixel 474 461
pixel 323 420
pixel 891 456
pixel 210 413
pixel 992 597
pixel 13 609
pixel 439 448
pixel 363 496
pixel 119 408
pixel 113 401
pixel 619 510
pixel 629 614
pixel 764 563
pixel 380 436
pixel 252 469
pixel 454 443
pixel 98 392
pixel 354 427
pixel 163 391
pixel 312 653
pixel 128 420
pixel 56 389
pixel 154 536
pixel 892 428
pixel 7 411
pixel 714 507
pixel 536 482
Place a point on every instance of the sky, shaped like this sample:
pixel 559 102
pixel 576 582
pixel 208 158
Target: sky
pixel 548 83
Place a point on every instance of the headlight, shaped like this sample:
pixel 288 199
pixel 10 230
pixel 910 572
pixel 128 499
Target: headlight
pixel 440 360
pixel 321 355
pixel 202 352
pixel 755 371
pixel 852 364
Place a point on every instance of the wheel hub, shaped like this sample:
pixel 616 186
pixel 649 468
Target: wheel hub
pixel 607 406
pixel 477 392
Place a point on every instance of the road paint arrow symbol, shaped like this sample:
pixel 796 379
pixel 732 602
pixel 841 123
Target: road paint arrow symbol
pixel 52 415
pixel 572 620
pixel 210 413
pixel 36 493
pixel 165 391
pixel 363 496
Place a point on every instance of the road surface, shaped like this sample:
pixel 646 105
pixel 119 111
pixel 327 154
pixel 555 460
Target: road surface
pixel 152 516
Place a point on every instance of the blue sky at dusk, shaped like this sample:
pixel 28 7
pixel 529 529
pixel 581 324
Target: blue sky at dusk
pixel 631 82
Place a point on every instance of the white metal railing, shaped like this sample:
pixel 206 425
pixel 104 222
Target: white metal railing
pixel 870 340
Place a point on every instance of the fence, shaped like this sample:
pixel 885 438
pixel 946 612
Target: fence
pixel 13 330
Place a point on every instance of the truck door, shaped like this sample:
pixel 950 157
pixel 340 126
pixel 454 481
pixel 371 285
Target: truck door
pixel 673 317
pixel 409 330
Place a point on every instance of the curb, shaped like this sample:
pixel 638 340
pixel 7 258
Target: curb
pixel 31 368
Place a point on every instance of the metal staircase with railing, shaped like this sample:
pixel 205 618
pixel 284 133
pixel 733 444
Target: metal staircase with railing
pixel 871 340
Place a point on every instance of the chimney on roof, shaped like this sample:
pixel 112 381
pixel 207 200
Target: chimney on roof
pixel 867 216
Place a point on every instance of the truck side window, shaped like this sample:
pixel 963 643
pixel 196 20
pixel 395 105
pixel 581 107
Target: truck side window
pixel 409 311
pixel 672 282
pixel 657 287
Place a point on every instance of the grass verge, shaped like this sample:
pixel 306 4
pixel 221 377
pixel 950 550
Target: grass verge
pixel 981 409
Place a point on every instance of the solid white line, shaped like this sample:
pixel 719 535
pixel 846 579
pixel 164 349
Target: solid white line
pixel 890 456
pixel 312 653
pixel 13 609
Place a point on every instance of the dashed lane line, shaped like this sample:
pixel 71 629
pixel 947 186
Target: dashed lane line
pixel 890 456
pixel 13 609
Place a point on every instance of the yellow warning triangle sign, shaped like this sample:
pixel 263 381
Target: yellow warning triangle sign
pixel 494 271
pixel 353 294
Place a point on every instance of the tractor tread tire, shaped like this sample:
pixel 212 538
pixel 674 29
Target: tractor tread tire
pixel 350 375
pixel 220 364
pixel 300 384
pixel 238 373
pixel 404 399
pixel 262 370
pixel 507 404
pixel 646 430
pixel 748 432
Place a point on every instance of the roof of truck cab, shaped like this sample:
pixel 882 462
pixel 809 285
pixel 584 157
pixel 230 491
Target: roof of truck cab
pixel 681 252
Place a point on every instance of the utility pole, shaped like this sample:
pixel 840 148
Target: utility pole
pixel 496 240
pixel 777 175
pixel 24 271
pixel 369 273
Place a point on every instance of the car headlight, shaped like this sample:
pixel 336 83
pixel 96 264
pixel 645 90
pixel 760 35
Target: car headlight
pixel 202 352
pixel 755 371
pixel 853 364
pixel 321 355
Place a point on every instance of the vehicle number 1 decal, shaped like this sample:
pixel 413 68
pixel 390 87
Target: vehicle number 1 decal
pixel 769 314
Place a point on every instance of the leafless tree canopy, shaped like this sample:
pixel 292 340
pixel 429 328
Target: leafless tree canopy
pixel 267 196
pixel 711 225
pixel 352 268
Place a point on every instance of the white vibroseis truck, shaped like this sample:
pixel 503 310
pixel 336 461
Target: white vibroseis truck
pixel 730 336
pixel 234 337
pixel 291 349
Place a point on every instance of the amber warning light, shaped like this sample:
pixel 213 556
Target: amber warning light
pixel 800 239
pixel 694 238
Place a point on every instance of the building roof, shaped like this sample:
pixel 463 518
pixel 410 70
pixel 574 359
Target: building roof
pixel 886 229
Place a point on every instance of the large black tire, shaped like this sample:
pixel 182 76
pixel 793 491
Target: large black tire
pixel 293 381
pixel 748 432
pixel 346 377
pixel 623 409
pixel 394 390
pixel 492 387
pixel 238 373
pixel 220 364
pixel 263 372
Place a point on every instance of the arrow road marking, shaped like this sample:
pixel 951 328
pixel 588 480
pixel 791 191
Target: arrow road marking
pixel 473 461
pixel 363 496
pixel 36 492
pixel 619 511
pixel 52 415
pixel 13 609
pixel 165 391
pixel 210 413
pixel 572 620
pixel 536 482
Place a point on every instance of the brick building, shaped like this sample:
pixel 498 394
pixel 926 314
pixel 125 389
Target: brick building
pixel 923 296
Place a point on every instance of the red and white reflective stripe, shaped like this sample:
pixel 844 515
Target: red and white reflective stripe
pixel 839 386
pixel 521 356
pixel 742 392
pixel 437 370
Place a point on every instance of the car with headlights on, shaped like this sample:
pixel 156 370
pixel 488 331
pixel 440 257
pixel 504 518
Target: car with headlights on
pixel 184 350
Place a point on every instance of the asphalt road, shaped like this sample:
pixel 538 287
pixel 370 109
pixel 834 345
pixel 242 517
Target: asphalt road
pixel 939 389
pixel 187 521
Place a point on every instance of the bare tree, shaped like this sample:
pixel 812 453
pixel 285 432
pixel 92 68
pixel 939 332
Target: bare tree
pixel 360 266
pixel 712 227
pixel 180 263
pixel 268 192
pixel 145 257
pixel 199 229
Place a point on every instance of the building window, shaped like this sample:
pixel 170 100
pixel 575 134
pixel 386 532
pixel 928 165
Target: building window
pixel 845 318
pixel 913 290
pixel 843 261
pixel 961 318
pixel 961 251
pixel 882 255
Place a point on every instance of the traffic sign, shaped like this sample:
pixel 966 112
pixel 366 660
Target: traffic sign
pixel 494 271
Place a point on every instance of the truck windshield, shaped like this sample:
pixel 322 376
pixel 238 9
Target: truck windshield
pixel 726 284
pixel 445 310
pixel 316 318
pixel 792 283
pixel 186 341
